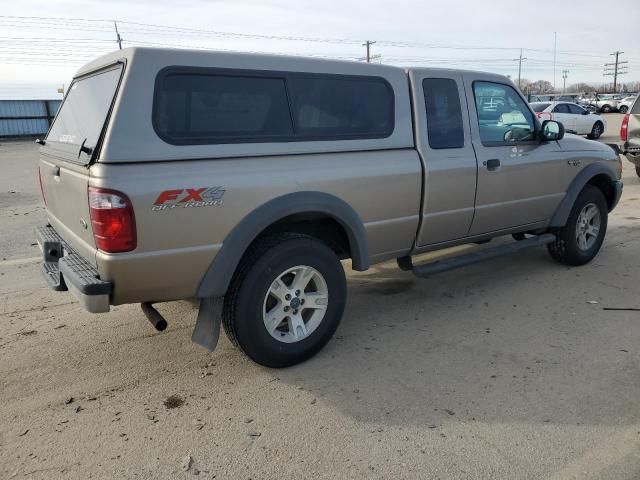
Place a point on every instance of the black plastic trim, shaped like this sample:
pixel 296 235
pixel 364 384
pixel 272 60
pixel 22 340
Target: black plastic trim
pixel 561 214
pixel 69 268
pixel 217 278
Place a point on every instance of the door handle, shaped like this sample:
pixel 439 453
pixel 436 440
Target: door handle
pixel 492 164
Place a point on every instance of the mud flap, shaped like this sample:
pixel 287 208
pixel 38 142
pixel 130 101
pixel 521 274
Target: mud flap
pixel 207 330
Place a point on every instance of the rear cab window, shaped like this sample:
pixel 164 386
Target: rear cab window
pixel 82 116
pixel 444 114
pixel 195 106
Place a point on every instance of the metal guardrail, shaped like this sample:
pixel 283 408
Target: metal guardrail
pixel 26 118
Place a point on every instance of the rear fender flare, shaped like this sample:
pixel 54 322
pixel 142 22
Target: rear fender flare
pixel 218 276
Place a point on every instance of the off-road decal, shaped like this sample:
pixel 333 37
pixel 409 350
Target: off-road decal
pixel 189 198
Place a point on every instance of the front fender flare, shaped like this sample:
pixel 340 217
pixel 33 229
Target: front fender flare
pixel 559 218
pixel 218 276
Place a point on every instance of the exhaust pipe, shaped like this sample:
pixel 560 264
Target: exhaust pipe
pixel 157 320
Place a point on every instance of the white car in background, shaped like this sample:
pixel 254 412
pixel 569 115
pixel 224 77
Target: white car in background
pixel 574 118
pixel 624 105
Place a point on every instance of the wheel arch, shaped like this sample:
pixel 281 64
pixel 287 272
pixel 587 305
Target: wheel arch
pixel 596 174
pixel 294 210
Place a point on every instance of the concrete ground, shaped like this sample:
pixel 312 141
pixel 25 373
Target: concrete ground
pixel 510 369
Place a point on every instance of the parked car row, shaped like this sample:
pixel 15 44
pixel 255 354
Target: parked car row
pixel 607 103
pixel 575 118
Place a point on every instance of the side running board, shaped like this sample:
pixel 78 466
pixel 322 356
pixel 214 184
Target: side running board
pixel 427 269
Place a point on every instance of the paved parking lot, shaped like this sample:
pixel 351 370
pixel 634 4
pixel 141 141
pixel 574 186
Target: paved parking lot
pixel 508 369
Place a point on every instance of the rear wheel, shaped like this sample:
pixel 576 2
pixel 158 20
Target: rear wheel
pixel 580 239
pixel 596 130
pixel 286 300
pixel 623 109
pixel 606 109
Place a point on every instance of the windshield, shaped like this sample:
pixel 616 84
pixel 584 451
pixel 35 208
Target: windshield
pixel 82 115
pixel 539 107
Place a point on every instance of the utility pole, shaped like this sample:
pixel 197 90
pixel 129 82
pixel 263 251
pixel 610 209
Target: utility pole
pixel 369 57
pixel 619 68
pixel 520 59
pixel 555 42
pixel 118 38
pixel 564 80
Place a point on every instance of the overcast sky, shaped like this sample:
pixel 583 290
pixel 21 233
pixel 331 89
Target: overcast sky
pixel 38 55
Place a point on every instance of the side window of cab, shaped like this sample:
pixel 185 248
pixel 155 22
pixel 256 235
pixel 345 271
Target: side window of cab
pixel 503 117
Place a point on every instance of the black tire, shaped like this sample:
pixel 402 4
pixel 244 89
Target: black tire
pixel 623 109
pixel 596 130
pixel 638 171
pixel 565 248
pixel 245 300
pixel 606 109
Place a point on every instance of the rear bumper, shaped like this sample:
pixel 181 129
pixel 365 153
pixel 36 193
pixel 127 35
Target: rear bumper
pixel 64 269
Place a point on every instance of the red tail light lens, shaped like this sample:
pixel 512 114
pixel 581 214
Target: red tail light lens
pixel 624 128
pixel 544 115
pixel 112 220
pixel 44 200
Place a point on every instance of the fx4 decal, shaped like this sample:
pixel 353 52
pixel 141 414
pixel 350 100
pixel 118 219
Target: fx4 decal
pixel 189 198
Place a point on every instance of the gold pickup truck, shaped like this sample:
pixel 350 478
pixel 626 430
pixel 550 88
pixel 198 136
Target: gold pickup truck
pixel 243 180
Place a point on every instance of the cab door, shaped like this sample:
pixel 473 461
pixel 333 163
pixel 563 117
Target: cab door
pixel 521 180
pixel 446 151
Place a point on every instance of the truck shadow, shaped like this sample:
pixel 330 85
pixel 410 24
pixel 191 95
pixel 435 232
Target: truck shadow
pixel 498 342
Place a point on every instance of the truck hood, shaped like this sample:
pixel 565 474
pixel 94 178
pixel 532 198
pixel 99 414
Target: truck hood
pixel 575 143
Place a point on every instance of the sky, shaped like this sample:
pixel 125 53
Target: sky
pixel 43 43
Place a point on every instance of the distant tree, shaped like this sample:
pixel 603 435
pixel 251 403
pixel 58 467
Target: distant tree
pixel 580 88
pixel 540 87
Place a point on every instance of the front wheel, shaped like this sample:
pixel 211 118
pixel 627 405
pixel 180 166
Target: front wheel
pixel 606 109
pixel 579 241
pixel 623 109
pixel 596 131
pixel 286 300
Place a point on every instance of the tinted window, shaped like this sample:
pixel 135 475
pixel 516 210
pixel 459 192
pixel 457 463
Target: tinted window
pixel 327 106
pixel 502 114
pixel 83 113
pixel 539 107
pixel 561 108
pixel 444 115
pixel 575 109
pixel 200 108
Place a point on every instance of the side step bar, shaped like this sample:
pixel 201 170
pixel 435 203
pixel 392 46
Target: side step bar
pixel 439 266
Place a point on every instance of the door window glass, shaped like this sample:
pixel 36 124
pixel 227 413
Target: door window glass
pixel 502 114
pixel 561 108
pixel 575 109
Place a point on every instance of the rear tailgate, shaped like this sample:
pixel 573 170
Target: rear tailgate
pixel 69 148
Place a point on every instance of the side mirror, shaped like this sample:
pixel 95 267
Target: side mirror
pixel 551 130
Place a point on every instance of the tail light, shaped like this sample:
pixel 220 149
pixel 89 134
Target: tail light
pixel 44 200
pixel 544 115
pixel 112 220
pixel 624 128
